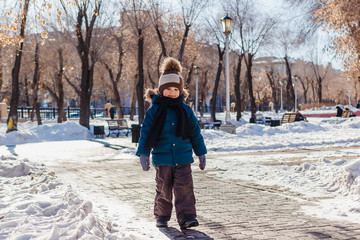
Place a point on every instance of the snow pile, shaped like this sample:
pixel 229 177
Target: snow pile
pixel 332 132
pixel 347 179
pixel 49 131
pixel 35 203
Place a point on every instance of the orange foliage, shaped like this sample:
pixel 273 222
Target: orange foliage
pixel 342 18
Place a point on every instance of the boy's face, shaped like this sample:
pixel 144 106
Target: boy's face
pixel 171 92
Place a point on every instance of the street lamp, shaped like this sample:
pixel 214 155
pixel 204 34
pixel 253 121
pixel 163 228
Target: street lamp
pixel 226 24
pixel 281 96
pixel 196 69
pixel 294 85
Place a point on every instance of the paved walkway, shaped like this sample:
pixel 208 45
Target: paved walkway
pixel 226 209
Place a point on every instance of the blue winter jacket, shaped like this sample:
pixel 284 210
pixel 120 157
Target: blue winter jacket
pixel 169 149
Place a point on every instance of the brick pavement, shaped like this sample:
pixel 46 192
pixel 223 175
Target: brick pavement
pixel 226 209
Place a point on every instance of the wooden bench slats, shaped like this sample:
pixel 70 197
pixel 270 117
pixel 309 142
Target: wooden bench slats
pixel 291 117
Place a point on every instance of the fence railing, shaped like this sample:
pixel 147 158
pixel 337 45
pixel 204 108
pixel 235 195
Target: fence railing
pixel 52 113
pixel 73 113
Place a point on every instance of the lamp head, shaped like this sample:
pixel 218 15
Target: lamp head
pixel 196 69
pixel 226 24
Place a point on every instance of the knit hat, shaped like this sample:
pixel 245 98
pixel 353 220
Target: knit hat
pixel 171 75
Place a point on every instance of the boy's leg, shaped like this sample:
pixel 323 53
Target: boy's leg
pixel 163 198
pixel 184 194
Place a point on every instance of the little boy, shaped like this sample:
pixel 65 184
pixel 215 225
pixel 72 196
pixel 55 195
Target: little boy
pixel 170 131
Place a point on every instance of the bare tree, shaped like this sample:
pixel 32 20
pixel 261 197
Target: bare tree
pixel 216 85
pixel 115 80
pixel 215 30
pixel 57 90
pixel 252 32
pixel 156 14
pixel 27 89
pixel 190 12
pixel 137 13
pixel 320 73
pixel 273 78
pixel 237 86
pixel 305 84
pixel 1 69
pixel 87 13
pixel 15 93
pixel 35 86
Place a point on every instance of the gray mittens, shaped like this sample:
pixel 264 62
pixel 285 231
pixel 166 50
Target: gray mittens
pixel 145 163
pixel 202 162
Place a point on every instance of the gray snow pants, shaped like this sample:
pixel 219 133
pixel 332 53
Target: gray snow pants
pixel 179 180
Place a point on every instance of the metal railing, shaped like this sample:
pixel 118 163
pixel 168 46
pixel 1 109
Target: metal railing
pixel 52 113
pixel 74 113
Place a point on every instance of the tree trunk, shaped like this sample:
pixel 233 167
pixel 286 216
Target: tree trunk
pixel 305 85
pixel 59 82
pixel 35 85
pixel 202 97
pixel 84 93
pixel 133 102
pixel 83 48
pixel 115 91
pixel 270 77
pixel 188 82
pixel 163 48
pixel 216 85
pixel 118 77
pixel 319 90
pixel 250 85
pixel 1 69
pixel 27 95
pixel 313 87
pixel 237 88
pixel 183 43
pixel 290 94
pixel 15 93
pixel 140 84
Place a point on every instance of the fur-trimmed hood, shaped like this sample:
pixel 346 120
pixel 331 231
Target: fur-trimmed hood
pixel 150 93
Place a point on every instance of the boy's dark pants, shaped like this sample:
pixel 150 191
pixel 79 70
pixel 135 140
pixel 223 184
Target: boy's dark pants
pixel 179 179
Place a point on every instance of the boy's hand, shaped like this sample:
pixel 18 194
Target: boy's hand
pixel 202 162
pixel 145 163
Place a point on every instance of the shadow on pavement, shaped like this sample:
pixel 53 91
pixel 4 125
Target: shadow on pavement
pixel 173 233
pixel 109 145
pixel 11 149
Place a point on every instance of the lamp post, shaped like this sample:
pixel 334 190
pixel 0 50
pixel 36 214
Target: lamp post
pixel 226 24
pixel 196 68
pixel 294 85
pixel 281 96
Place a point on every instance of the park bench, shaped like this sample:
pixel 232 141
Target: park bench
pixel 206 123
pixel 292 117
pixel 117 126
pixel 260 119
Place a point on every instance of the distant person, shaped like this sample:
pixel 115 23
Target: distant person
pixel 358 104
pixel 112 112
pixel 346 113
pixel 339 111
pixel 108 106
pixel 299 117
pixel 170 132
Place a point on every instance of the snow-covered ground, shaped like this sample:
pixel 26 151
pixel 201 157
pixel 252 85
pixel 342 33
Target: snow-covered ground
pixel 36 203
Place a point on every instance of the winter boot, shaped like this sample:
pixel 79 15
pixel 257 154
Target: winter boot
pixel 161 223
pixel 192 222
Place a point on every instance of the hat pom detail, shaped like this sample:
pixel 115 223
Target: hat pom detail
pixel 171 64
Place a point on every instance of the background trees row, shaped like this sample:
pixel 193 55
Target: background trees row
pixel 97 51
